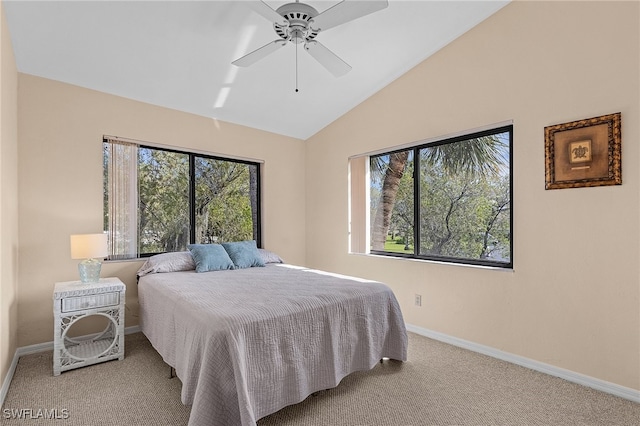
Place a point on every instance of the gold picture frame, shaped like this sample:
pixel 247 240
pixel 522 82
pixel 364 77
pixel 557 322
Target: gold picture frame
pixel 583 153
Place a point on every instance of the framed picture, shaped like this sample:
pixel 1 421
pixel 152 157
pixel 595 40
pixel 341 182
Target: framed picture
pixel 583 153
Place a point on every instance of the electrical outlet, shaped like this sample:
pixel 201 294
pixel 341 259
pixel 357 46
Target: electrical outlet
pixel 418 300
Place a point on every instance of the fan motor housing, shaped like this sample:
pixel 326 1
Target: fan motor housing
pixel 299 15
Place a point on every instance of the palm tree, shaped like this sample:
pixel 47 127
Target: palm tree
pixel 480 157
pixel 390 184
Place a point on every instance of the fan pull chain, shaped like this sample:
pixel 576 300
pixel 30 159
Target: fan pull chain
pixel 297 67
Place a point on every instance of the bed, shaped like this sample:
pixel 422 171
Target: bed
pixel 247 342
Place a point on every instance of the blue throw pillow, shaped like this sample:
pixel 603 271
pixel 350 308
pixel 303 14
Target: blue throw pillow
pixel 210 257
pixel 244 254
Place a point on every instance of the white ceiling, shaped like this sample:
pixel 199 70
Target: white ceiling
pixel 178 54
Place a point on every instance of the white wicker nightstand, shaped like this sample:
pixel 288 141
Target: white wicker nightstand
pixel 73 301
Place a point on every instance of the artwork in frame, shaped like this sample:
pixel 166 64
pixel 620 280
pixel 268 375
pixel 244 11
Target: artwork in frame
pixel 583 153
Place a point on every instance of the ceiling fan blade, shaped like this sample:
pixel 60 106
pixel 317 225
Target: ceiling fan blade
pixel 327 58
pixel 256 55
pixel 267 12
pixel 346 11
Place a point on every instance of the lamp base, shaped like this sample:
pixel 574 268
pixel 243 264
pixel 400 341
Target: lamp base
pixel 89 270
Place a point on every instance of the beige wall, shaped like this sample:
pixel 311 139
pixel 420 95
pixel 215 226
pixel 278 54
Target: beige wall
pixel 572 300
pixel 60 190
pixel 8 199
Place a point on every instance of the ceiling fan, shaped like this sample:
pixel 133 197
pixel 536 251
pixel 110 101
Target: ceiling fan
pixel 300 23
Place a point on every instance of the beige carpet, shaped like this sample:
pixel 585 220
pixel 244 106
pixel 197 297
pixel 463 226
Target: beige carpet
pixel 439 385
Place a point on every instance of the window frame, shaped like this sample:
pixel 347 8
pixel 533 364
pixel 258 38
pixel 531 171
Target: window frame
pixel 192 155
pixel 415 149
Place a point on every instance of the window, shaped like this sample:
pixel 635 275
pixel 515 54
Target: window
pixel 448 200
pixel 159 200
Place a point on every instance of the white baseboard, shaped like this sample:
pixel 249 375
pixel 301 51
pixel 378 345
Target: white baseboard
pixel 571 376
pixel 39 347
pixel 8 377
pixel 132 329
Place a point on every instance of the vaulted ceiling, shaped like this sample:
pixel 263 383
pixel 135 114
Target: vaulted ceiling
pixel 178 54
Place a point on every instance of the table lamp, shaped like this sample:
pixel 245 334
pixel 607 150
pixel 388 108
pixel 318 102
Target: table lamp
pixel 92 248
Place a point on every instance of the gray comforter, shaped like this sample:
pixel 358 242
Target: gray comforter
pixel 246 343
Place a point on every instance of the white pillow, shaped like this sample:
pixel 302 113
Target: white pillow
pixel 269 256
pixel 168 262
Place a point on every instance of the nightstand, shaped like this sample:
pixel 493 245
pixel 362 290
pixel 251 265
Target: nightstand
pixel 73 301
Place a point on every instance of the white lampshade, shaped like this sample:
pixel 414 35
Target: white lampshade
pixel 89 246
